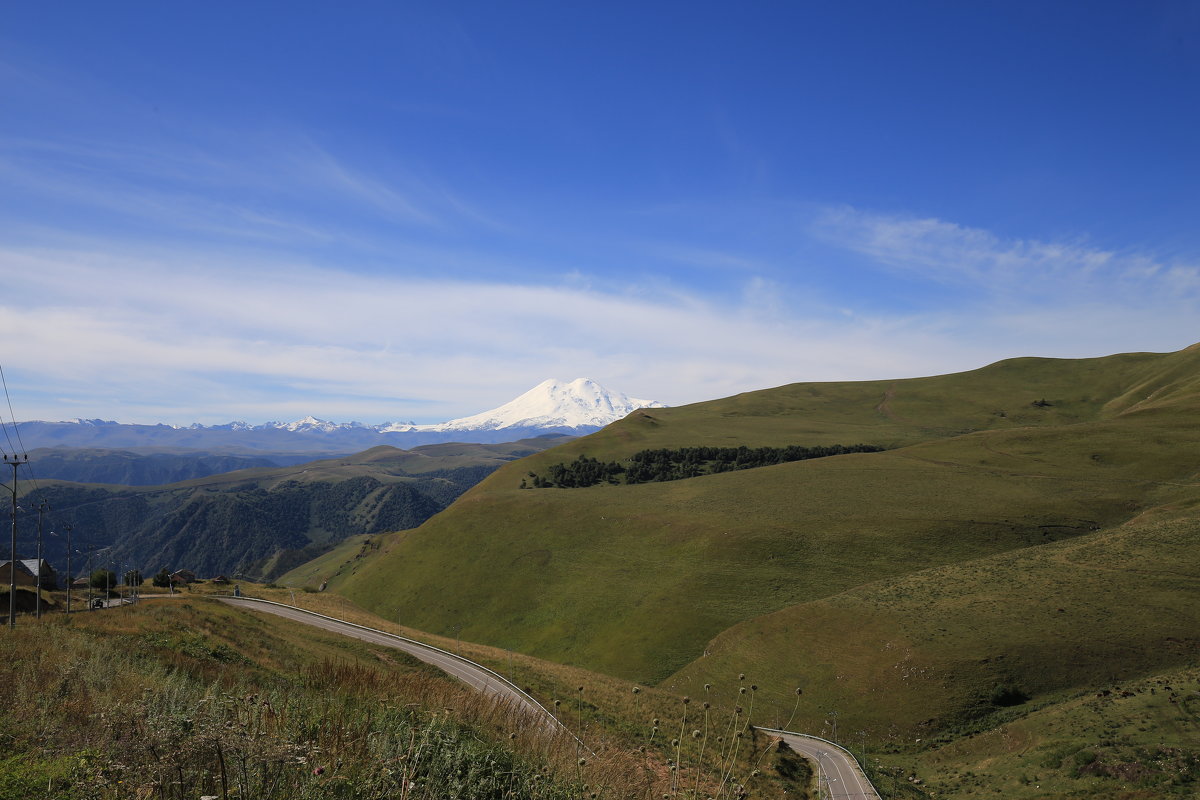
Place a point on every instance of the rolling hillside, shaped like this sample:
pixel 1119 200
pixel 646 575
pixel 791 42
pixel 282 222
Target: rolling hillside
pixel 261 522
pixel 994 474
pixel 145 468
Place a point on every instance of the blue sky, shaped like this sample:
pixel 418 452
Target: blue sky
pixel 393 211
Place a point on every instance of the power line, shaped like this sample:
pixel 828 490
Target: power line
pixel 11 446
pixel 37 490
pixel 17 430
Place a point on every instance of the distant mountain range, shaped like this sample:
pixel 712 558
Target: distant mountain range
pixel 570 408
pixel 253 521
pixel 127 468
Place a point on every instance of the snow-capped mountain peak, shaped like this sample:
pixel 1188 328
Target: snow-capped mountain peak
pixel 309 423
pixel 573 407
pixel 581 403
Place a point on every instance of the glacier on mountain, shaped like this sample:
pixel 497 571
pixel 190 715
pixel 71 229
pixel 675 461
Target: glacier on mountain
pixel 552 407
pixel 581 403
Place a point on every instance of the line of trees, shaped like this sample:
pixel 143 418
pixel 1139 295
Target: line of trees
pixel 650 466
pixel 103 579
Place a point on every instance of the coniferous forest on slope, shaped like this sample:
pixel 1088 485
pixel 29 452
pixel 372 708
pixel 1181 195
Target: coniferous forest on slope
pixel 673 464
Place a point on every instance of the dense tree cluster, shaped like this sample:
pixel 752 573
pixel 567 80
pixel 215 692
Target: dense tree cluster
pixel 649 466
pixel 581 472
pixel 103 579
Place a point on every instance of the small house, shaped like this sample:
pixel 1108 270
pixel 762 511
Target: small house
pixel 183 577
pixel 49 576
pixel 24 575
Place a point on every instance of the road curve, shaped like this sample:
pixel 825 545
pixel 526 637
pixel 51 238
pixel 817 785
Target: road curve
pixel 840 775
pixel 470 673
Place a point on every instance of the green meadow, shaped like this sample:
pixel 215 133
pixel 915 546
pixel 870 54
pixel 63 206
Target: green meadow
pixel 183 697
pixel 1028 535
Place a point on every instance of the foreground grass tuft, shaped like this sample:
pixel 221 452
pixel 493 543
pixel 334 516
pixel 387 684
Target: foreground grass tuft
pixel 174 701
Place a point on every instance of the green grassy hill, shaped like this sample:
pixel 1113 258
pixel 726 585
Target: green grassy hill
pixel 342 556
pixel 187 698
pixel 991 473
pixel 264 521
pixel 930 650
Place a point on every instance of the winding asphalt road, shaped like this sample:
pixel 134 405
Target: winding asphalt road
pixel 841 777
pixel 470 673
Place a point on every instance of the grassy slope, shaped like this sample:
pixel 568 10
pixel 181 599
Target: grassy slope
pixel 926 650
pixel 248 520
pixel 384 463
pixel 635 580
pixel 178 697
pixel 1121 743
pixel 341 557
pixel 195 634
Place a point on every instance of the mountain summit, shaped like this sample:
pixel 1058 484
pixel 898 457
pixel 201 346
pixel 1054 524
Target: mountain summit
pixel 552 407
pixel 579 404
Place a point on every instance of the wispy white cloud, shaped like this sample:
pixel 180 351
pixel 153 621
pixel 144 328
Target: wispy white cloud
pixel 705 258
pixel 330 173
pixel 178 335
pixel 192 341
pixel 263 186
pixel 946 252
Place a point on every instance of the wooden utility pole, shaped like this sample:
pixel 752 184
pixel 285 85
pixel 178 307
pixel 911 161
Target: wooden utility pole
pixel 15 461
pixel 70 577
pixel 43 507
